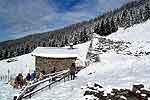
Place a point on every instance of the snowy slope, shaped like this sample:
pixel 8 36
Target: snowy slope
pixel 6 91
pixel 139 32
pixel 114 70
pixel 24 63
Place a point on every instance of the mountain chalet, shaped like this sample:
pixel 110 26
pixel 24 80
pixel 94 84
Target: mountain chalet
pixel 46 58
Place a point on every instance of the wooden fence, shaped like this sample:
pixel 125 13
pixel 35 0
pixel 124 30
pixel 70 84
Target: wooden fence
pixel 47 82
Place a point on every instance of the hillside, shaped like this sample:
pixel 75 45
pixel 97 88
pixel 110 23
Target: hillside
pixel 133 33
pixel 114 47
pixel 116 68
pixel 25 64
pixel 131 13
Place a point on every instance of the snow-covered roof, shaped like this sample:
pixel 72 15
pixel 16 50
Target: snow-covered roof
pixel 53 52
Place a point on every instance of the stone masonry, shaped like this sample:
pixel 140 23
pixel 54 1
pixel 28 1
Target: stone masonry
pixel 47 64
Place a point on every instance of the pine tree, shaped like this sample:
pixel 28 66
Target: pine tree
pixel 11 53
pixel 118 21
pixel 22 51
pixel 114 28
pixel 102 29
pixel 66 40
pixel 6 54
pixel 97 29
pixel 131 18
pixel 146 13
pixel 76 39
pixel 27 49
pixel 107 28
pixel 139 16
pixel 1 55
pixel 85 36
pixel 81 36
pixel 123 18
pixel 43 44
pixel 128 20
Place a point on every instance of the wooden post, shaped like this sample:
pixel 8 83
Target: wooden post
pixel 30 96
pixel 68 75
pixel 64 78
pixel 8 74
pixel 49 82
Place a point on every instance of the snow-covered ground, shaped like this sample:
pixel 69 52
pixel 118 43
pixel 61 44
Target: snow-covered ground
pixel 113 71
pixel 137 32
pixel 6 91
pixel 25 64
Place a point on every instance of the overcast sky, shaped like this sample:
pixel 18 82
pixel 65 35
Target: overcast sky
pixel 22 17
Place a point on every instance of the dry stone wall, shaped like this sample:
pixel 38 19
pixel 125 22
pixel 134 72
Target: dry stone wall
pixel 47 64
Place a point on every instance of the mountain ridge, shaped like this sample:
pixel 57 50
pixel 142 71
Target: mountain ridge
pixel 125 16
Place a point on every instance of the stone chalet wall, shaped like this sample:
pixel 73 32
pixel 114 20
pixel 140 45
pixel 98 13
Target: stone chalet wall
pixel 47 64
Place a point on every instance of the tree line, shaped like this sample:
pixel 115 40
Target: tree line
pixel 132 13
pixel 52 40
pixel 129 14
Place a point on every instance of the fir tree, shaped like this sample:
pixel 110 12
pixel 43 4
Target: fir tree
pixel 6 54
pixel 97 28
pixel 139 17
pixel 102 29
pixel 22 51
pixel 118 21
pixel 107 28
pixel 114 28
pixel 1 55
pixel 146 13
pixel 123 18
